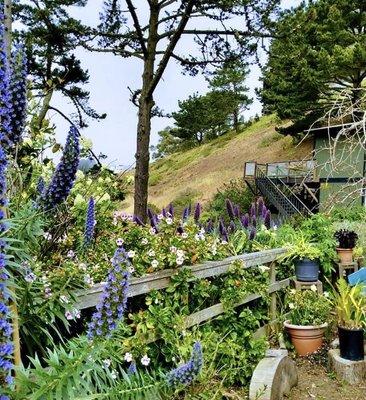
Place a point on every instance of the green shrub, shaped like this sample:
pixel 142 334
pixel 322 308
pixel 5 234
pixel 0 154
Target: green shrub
pixel 237 191
pixel 184 199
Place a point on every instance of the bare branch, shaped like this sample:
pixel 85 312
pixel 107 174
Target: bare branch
pixel 137 26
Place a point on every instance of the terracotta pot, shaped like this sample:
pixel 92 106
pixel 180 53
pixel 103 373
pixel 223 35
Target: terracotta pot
pixel 306 339
pixel 345 255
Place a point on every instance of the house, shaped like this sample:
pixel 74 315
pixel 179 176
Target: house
pixel 335 175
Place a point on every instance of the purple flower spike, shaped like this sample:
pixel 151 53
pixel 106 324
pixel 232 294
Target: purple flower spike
pixel 186 213
pixel 209 226
pixel 187 373
pixel 197 212
pixel 260 205
pixel 64 176
pixel 114 298
pixel 245 221
pixel 254 221
pixel 137 220
pixel 237 211
pixel 252 234
pixel 171 210
pixel 267 220
pixel 264 212
pixel 40 186
pixel 89 223
pixel 230 209
pixel 163 212
pixel 151 216
pixel 253 211
pixel 232 227
pixel 223 231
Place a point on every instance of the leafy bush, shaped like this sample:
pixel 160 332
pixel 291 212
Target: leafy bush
pixel 238 193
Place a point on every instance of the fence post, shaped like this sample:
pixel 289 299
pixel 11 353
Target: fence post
pixel 273 305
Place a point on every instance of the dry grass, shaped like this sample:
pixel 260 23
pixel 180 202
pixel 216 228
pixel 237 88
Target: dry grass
pixel 204 169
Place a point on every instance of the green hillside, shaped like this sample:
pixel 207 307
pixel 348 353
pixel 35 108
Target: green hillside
pixel 198 173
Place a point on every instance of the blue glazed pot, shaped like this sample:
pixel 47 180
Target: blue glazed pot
pixel 307 270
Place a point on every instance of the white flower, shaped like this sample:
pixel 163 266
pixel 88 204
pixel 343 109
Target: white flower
pixel 131 269
pixel 223 242
pixel 263 268
pixel 152 231
pixel 184 235
pixel 160 217
pixel 275 227
pixel 119 242
pixel 88 280
pixel 107 362
pixel 128 357
pixel 131 254
pixel 173 249
pixel 291 306
pixel 154 263
pixel 115 222
pixel 179 261
pixel 197 237
pixel 293 291
pixel 64 299
pixel 145 360
pixel 151 253
pixel 313 288
pixel 114 374
pixel 326 294
pixel 30 277
pixel 68 315
pixel 180 253
pixel 169 221
pixel 47 236
pixel 144 241
pixel 82 267
pixel 70 254
pixel 214 250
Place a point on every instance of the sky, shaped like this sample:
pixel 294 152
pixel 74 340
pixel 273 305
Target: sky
pixel 110 78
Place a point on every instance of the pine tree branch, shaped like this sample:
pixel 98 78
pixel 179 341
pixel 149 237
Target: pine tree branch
pixel 137 26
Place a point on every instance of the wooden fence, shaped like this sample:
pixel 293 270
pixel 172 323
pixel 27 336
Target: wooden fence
pixel 161 279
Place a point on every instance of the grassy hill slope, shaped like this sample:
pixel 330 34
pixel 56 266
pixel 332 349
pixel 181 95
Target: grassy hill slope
pixel 198 173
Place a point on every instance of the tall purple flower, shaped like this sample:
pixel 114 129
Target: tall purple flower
pixel 232 227
pixel 89 223
pixel 113 302
pixel 267 219
pixel 197 212
pixel 137 220
pixel 223 231
pixel 163 211
pixel 5 94
pixel 237 211
pixel 252 233
pixel 187 373
pixel 18 90
pixel 209 227
pixel 245 220
pixel 230 209
pixel 186 213
pixel 40 186
pixel 153 219
pixel 65 173
pixel 264 212
pixel 254 220
pixel 253 211
pixel 171 210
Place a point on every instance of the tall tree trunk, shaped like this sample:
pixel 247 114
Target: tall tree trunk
pixel 146 103
pixel 45 107
pixel 8 23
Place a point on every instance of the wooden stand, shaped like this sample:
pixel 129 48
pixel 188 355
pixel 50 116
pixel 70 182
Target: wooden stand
pixel 343 268
pixel 299 285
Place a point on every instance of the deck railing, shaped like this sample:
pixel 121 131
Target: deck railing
pixel 161 279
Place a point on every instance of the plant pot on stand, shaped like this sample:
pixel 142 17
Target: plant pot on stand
pixel 345 255
pixel 307 270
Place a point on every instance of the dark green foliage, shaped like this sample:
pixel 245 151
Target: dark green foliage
pixel 51 36
pixel 318 53
pixel 237 191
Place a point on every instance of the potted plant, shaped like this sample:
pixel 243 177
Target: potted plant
pixel 350 304
pixel 307 319
pixel 346 242
pixel 305 256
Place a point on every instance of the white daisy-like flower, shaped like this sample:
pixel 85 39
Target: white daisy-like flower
pixel 107 363
pixel 145 360
pixel 197 237
pixel 131 269
pixel 263 268
pixel 184 235
pixel 160 217
pixel 47 236
pixel 291 306
pixel 144 241
pixel 169 221
pixel 293 291
pixel 130 218
pixel 128 357
pixel 180 253
pixel 275 227
pixel 82 266
pixel 114 222
pixel 313 288
pixel 114 374
pixel 64 299
pixel 119 242
pixel 30 277
pixel 151 253
pixel 173 249
pixel 326 294
pixel 88 280
pixel 223 242
pixel 68 315
pixel 131 254
pixel 154 263
pixel 152 231
pixel 179 260
pixel 70 254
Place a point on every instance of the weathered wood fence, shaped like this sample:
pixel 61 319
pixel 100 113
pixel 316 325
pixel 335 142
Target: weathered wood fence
pixel 161 279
